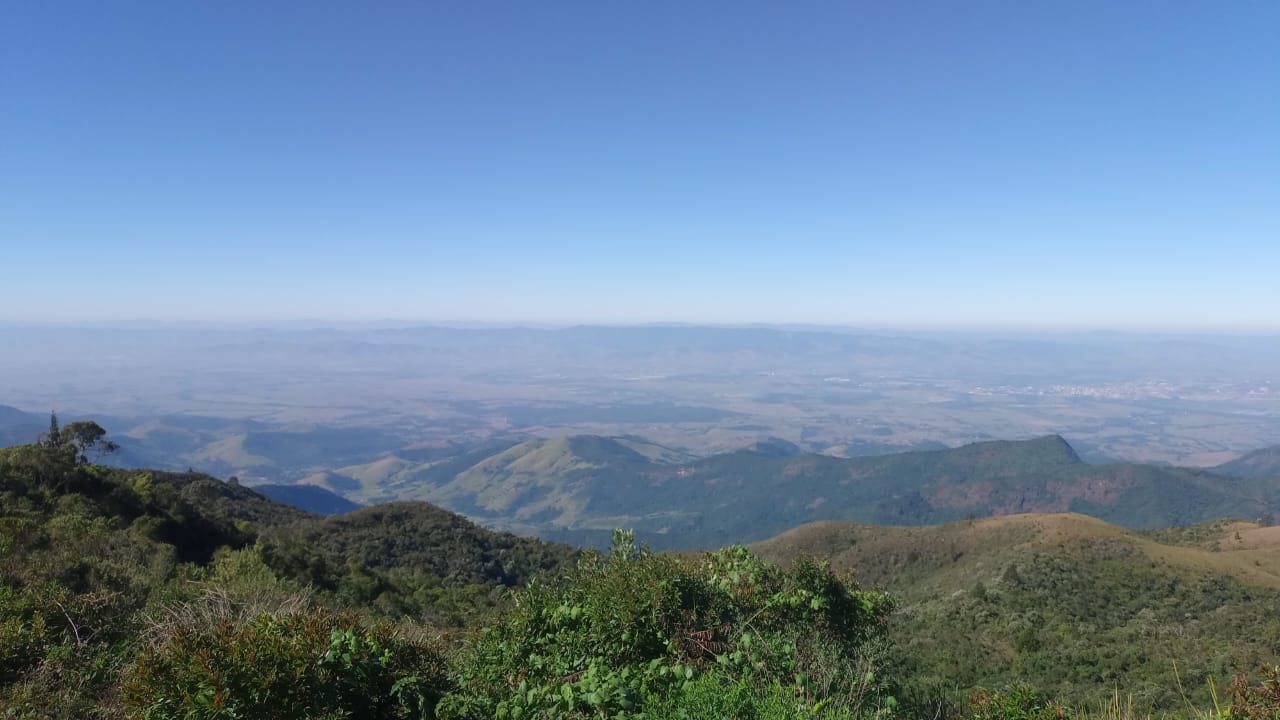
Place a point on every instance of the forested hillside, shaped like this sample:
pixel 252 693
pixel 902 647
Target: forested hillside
pixel 1258 465
pixel 99 566
pixel 1067 603
pixel 143 594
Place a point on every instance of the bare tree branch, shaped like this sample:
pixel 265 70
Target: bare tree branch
pixel 75 629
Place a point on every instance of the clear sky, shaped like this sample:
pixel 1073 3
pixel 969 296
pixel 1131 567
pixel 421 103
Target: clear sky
pixel 1077 163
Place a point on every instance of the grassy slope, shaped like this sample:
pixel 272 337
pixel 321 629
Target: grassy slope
pixel 877 552
pixel 231 452
pixel 377 472
pixel 1066 601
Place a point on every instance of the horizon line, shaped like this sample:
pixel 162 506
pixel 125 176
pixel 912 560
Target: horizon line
pixel 320 323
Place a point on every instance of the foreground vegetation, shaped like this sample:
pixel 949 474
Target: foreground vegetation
pixel 1067 603
pixel 159 595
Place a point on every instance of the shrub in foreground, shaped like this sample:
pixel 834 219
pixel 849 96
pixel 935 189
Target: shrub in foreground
pixel 633 634
pixel 1259 700
pixel 280 667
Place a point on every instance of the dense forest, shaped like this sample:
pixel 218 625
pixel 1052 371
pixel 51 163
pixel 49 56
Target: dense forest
pixel 157 595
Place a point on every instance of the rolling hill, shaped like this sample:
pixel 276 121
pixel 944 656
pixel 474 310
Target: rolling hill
pixel 1067 602
pixel 1257 465
pixel 579 488
pixel 412 537
pixel 18 426
pixel 415 558
pixel 312 498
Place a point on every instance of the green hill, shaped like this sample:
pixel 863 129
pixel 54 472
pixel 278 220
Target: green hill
pixel 18 426
pixel 378 472
pixel 540 482
pixel 1068 603
pixel 580 488
pixel 98 562
pixel 408 559
pixel 312 498
pixel 1258 465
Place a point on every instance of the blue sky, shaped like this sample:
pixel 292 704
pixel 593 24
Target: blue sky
pixel 1094 164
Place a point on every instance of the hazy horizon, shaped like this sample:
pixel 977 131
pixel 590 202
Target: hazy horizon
pixel 1192 398
pixel 317 323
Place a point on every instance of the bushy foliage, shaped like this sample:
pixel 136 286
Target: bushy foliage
pixel 1082 619
pixel 73 579
pixel 279 667
pixel 100 564
pixel 408 559
pixel 1258 700
pixel 618 632
pixel 714 697
pixel 1020 702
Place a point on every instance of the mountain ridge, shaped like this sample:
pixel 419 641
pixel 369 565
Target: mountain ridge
pixel 1260 464
pixel 312 498
pixel 578 488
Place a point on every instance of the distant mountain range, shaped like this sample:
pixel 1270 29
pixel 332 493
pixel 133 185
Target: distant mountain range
pixel 17 426
pixel 579 488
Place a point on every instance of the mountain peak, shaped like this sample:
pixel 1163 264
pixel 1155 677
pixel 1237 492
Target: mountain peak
pixel 776 447
pixel 1057 446
pixel 1044 452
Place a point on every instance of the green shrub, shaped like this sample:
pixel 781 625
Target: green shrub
pixel 279 667
pixel 24 633
pixel 624 632
pixel 1020 702
pixel 713 697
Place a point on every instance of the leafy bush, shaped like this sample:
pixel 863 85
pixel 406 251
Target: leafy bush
pixel 276 667
pixel 408 559
pixel 1255 701
pixel 713 697
pixel 60 653
pixel 623 632
pixel 1021 702
pixel 24 633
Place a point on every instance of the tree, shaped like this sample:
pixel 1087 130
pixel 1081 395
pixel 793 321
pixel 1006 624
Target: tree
pixel 53 438
pixel 86 435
